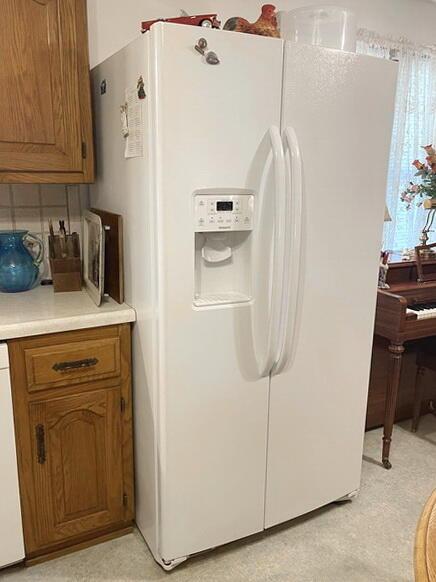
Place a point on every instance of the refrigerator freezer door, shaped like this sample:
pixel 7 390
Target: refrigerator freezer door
pixel 211 123
pixel 341 108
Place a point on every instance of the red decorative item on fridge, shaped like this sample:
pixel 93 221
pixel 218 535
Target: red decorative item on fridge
pixel 265 25
pixel 206 20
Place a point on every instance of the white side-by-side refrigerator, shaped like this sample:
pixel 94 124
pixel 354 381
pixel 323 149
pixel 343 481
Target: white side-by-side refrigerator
pixel 253 211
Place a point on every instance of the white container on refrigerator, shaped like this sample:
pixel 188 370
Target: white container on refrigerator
pixel 231 436
pixel 11 529
pixel 328 26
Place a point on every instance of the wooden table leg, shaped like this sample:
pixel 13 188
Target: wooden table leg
pixel 396 351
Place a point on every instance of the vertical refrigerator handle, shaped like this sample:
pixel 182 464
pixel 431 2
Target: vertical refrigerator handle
pixel 293 248
pixel 266 366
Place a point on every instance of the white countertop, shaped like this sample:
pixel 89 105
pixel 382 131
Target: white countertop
pixel 41 311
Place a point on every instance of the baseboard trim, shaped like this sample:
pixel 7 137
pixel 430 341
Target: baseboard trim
pixel 74 547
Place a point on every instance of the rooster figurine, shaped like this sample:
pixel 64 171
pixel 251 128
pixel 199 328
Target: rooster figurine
pixel 265 25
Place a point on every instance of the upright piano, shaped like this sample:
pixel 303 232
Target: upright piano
pixel 406 311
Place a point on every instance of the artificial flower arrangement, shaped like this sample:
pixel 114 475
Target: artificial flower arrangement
pixel 426 191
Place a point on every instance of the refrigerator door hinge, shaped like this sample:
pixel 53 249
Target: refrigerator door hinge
pixel 125 499
pixel 84 150
pixel 123 404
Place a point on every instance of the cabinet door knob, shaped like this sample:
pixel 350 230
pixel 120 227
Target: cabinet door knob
pixel 77 365
pixel 40 443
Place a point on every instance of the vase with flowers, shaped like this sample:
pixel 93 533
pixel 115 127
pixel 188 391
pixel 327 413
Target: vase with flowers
pixel 424 193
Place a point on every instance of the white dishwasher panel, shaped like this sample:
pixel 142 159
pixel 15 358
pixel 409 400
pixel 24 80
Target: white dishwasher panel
pixel 11 529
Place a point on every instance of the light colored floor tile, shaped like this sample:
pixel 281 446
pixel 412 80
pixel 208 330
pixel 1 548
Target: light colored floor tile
pixel 367 540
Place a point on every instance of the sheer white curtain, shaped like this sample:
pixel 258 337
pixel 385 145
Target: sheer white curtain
pixel 414 126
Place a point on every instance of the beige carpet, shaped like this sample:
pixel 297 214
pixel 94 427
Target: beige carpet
pixel 368 540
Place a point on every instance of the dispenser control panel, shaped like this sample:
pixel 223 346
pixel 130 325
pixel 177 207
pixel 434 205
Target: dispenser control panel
pixel 217 213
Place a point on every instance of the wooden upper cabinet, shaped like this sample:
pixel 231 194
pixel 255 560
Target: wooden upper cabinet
pixel 45 123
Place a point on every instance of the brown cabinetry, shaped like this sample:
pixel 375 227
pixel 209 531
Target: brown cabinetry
pixel 45 126
pixel 72 406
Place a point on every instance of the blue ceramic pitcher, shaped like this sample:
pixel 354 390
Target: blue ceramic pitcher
pixel 19 268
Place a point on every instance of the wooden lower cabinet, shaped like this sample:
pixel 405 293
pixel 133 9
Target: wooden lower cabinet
pixel 74 441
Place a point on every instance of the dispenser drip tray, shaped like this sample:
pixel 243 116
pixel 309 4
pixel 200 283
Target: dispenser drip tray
pixel 227 298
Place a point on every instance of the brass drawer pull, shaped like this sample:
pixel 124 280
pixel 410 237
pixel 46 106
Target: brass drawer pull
pixel 77 365
pixel 40 443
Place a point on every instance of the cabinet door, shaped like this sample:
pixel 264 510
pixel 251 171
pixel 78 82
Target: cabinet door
pixel 43 94
pixel 77 464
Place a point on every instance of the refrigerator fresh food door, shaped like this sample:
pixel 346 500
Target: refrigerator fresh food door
pixel 337 111
pixel 212 135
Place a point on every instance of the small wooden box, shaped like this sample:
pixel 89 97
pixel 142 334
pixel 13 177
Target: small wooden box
pixel 66 274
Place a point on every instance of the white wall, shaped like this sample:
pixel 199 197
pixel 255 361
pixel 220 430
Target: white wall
pixel 114 23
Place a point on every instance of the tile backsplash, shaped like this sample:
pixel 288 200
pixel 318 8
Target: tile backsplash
pixel 30 206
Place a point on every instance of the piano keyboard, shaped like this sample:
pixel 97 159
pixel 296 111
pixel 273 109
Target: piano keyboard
pixel 422 310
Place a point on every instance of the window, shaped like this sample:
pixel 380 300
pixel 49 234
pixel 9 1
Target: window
pixel 414 127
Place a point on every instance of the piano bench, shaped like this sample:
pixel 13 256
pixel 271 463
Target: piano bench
pixel 425 360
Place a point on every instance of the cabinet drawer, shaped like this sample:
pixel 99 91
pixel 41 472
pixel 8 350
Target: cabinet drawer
pixel 71 363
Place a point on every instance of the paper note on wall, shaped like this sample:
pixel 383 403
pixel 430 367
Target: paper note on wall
pixel 135 138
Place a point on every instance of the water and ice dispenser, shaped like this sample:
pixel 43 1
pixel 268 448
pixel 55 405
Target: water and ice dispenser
pixel 223 224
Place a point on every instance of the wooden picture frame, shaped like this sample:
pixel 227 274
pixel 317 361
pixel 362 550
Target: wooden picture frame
pixel 114 263
pixel 420 262
pixel 93 256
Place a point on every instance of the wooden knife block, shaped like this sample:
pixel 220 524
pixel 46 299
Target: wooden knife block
pixel 66 274
pixel 66 271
